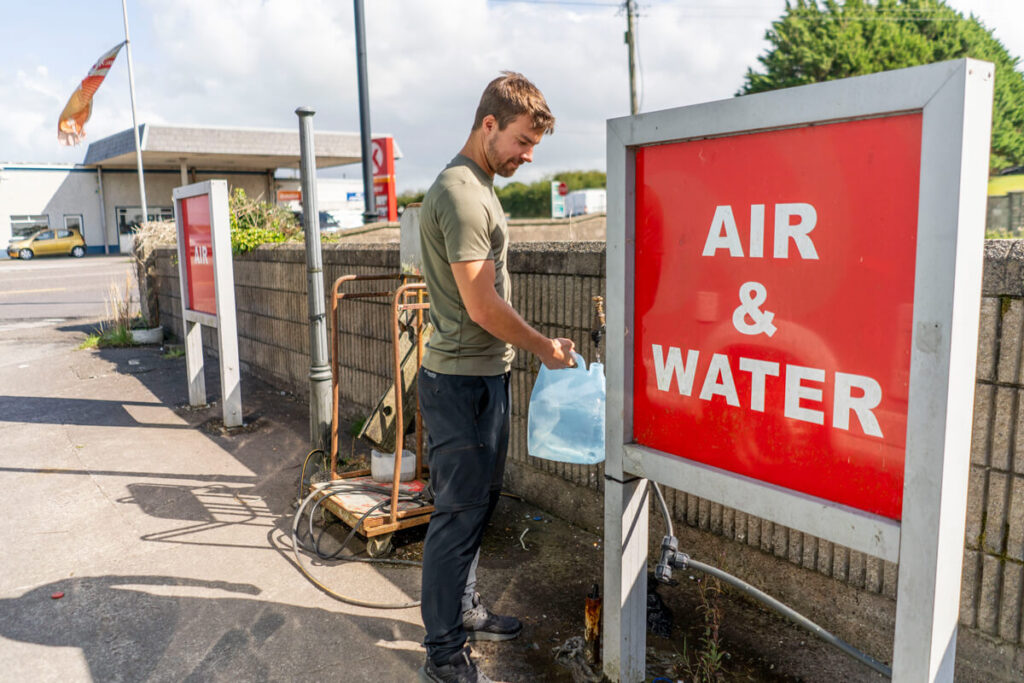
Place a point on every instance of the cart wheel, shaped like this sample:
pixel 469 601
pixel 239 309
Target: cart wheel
pixel 327 518
pixel 379 546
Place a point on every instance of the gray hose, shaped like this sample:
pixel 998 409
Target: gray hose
pixel 327 488
pixel 788 613
pixel 664 507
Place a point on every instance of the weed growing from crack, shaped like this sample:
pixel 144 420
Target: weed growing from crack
pixel 709 661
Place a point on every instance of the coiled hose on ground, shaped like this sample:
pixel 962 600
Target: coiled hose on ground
pixel 321 491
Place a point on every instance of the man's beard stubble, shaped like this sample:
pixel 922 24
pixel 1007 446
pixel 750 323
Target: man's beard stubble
pixel 506 169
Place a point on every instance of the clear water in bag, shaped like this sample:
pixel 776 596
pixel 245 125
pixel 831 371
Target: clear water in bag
pixel 566 418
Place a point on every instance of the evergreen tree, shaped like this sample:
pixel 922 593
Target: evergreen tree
pixel 815 42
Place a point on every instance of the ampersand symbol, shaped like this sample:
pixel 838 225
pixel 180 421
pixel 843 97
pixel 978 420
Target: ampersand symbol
pixel 752 295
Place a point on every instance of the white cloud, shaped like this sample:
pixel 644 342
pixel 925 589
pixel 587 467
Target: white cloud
pixel 246 63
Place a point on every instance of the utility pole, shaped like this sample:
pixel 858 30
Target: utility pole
pixel 369 200
pixel 630 7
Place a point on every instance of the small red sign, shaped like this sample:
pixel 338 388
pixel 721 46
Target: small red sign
pixel 563 189
pixel 385 196
pixel 773 305
pixel 195 217
pixel 289 195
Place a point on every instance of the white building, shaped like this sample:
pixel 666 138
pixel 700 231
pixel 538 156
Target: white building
pixel 100 196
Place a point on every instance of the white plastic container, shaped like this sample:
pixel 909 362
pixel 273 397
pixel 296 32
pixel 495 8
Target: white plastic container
pixel 382 466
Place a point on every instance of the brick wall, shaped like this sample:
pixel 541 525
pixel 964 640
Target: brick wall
pixel 553 283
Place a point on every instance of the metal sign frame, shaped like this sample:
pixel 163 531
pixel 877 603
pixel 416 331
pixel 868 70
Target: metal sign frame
pixel 955 101
pixel 224 289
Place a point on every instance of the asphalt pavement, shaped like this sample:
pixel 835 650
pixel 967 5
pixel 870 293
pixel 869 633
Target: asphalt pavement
pixel 60 288
pixel 141 544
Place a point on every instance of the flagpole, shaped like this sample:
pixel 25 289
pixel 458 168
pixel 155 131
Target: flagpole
pixel 135 124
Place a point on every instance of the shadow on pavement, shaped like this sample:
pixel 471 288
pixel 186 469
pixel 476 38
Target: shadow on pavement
pixel 168 628
pixel 76 411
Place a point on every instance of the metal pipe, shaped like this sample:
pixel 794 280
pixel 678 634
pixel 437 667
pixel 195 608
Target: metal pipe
pixel 334 373
pixel 369 201
pixel 784 610
pixel 419 363
pixel 399 388
pixel 397 306
pixel 336 297
pixel 319 370
pixel 592 624
pixel 103 211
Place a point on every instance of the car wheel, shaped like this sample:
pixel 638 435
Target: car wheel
pixel 78 251
pixel 25 254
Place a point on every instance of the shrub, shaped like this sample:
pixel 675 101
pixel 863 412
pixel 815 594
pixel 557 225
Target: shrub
pixel 254 222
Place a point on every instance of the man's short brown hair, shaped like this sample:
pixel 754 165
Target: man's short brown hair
pixel 510 95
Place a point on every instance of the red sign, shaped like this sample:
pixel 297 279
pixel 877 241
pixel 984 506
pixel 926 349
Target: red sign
pixel 774 305
pixel 289 195
pixel 385 197
pixel 195 216
pixel 563 189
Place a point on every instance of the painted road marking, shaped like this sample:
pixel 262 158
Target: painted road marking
pixel 35 291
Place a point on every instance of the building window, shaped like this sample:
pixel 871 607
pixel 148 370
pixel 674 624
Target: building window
pixel 73 222
pixel 129 217
pixel 25 225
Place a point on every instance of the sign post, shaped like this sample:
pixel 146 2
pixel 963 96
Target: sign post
pixel 384 196
pixel 558 192
pixel 208 290
pixel 784 273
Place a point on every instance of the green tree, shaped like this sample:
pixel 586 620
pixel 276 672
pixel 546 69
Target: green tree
pixel 815 42
pixel 409 197
pixel 534 200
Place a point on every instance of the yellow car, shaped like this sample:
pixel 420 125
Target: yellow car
pixel 48 242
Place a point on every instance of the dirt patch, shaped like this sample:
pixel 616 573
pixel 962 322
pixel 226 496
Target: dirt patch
pixel 540 568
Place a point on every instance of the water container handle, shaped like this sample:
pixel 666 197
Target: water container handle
pixel 581 364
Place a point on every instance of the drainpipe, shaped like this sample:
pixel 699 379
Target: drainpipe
pixel 103 211
pixel 320 400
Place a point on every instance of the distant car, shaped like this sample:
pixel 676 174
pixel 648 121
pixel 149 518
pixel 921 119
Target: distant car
pixel 47 242
pixel 327 221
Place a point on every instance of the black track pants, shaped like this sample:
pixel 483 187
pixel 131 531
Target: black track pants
pixel 467 420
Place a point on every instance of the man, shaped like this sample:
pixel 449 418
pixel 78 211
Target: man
pixel 464 381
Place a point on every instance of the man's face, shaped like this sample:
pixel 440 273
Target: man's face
pixel 507 149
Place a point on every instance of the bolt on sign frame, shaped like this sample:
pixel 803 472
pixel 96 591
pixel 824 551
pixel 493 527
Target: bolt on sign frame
pixel 207 282
pixel 793 287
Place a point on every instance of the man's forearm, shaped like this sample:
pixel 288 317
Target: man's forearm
pixel 501 320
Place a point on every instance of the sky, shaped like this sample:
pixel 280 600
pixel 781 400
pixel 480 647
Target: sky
pixel 251 63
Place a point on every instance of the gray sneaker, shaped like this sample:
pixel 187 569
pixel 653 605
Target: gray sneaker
pixel 481 624
pixel 460 669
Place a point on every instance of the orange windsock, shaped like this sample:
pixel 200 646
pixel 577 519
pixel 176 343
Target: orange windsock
pixel 70 126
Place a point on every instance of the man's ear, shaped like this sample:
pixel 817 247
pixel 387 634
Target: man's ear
pixel 489 123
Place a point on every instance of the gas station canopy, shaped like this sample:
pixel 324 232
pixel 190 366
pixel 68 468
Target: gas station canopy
pixel 228 149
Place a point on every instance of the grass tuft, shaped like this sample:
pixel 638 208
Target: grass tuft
pixel 91 342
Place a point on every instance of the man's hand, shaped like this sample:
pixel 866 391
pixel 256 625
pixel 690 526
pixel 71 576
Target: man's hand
pixel 559 355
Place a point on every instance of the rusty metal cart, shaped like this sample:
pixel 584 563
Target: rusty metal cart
pixel 352 507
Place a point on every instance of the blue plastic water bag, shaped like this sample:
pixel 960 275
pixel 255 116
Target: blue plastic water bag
pixel 566 420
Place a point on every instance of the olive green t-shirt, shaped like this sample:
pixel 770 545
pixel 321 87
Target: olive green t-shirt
pixel 462 220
